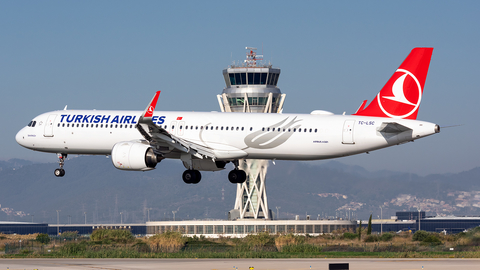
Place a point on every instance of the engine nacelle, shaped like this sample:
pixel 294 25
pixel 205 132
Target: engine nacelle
pixel 134 156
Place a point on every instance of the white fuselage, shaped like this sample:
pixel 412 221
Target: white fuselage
pixel 258 136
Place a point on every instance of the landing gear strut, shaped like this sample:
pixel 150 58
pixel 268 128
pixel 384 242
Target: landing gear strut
pixel 237 176
pixel 191 176
pixel 61 160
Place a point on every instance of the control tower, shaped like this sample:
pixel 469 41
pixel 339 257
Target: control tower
pixel 251 87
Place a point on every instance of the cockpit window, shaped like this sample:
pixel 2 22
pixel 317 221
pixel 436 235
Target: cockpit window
pixel 32 123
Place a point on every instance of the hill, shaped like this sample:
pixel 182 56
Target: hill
pixel 92 185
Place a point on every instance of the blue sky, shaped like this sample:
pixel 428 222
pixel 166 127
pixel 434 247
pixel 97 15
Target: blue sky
pixel 333 55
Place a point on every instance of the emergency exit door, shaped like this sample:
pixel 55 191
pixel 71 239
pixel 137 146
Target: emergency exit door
pixel 347 136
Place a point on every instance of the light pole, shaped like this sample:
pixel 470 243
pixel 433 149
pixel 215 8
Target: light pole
pixel 381 220
pixel 58 222
pixel 419 209
pixel 121 217
pixel 148 212
pixel 69 219
pixel 174 212
pixel 85 214
pixel 278 207
pixel 32 218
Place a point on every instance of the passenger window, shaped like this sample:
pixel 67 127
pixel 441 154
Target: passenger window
pixel 310 130
pixel 196 127
pixel 268 129
pixel 216 128
pixel 34 123
pixel 263 129
pixel 242 128
pixel 315 130
pixel 58 125
pixel 305 130
pixel 221 128
pixel 251 128
pixel 226 128
pixel 288 130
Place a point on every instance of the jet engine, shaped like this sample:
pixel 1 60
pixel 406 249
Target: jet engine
pixel 134 156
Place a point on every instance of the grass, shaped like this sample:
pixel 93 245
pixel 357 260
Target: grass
pixel 262 245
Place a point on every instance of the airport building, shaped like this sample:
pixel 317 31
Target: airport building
pixel 243 227
pixel 408 221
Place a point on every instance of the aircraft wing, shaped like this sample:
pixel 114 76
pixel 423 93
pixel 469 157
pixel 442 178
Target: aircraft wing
pixel 162 141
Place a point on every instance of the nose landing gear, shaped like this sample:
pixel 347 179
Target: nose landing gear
pixel 61 161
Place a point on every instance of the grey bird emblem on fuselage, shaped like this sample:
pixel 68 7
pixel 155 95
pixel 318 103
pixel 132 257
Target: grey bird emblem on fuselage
pixel 271 136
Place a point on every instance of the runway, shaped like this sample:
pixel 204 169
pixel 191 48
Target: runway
pixel 229 264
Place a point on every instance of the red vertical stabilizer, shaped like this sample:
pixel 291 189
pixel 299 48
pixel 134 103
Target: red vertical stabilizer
pixel 402 94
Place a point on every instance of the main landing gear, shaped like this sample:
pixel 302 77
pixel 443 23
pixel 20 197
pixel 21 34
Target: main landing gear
pixel 191 176
pixel 237 176
pixel 61 160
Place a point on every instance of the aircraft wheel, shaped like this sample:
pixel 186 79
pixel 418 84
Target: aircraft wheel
pixel 237 176
pixel 198 177
pixel 191 176
pixel 59 172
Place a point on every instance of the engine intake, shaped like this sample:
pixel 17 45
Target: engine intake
pixel 134 156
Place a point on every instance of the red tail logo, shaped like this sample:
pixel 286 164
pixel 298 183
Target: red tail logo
pixel 402 94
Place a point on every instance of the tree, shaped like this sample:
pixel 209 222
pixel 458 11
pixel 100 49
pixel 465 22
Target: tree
pixel 420 235
pixel 369 229
pixel 360 231
pixel 43 238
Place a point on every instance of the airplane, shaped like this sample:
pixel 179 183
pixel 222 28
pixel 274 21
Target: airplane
pixel 207 141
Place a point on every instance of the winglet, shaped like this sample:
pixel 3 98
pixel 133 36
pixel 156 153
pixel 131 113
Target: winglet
pixel 148 113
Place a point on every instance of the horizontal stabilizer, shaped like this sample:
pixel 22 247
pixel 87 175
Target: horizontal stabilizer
pixel 392 128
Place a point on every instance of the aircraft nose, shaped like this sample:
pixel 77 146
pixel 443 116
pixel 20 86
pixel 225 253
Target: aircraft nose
pixel 20 137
